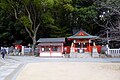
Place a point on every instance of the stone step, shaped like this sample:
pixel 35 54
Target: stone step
pixel 80 55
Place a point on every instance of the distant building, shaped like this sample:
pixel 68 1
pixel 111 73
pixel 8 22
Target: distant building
pixel 81 42
pixel 51 47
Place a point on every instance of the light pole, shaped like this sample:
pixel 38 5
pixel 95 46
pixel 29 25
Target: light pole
pixel 102 18
pixel 107 37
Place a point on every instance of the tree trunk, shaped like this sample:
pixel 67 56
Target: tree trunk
pixel 33 45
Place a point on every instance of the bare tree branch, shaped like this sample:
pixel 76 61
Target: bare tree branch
pixel 112 26
pixel 34 12
pixel 37 28
pixel 29 32
pixel 29 16
pixel 15 11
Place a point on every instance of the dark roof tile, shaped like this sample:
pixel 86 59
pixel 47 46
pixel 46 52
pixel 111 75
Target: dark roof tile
pixel 51 40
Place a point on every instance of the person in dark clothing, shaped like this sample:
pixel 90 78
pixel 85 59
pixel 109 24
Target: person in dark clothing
pixel 3 52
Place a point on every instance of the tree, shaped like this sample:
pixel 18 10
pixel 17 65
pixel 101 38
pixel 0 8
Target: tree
pixel 62 14
pixel 55 18
pixel 10 28
pixel 38 13
pixel 32 13
pixel 84 14
pixel 109 13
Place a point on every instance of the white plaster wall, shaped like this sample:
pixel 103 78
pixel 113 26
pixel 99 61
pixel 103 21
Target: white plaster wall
pixel 45 54
pixel 56 54
pixel 52 54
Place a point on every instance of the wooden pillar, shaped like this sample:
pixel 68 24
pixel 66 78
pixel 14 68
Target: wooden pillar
pixel 62 48
pixel 74 47
pixel 40 50
pixel 50 50
pixel 22 50
pixel 89 47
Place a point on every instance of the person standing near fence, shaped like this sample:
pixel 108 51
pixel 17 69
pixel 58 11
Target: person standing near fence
pixel 3 52
pixel 19 49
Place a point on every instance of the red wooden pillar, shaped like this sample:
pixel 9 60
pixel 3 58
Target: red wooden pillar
pixel 61 48
pixel 74 47
pixel 89 47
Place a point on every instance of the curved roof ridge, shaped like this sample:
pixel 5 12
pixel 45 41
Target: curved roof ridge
pixel 77 34
pixel 82 35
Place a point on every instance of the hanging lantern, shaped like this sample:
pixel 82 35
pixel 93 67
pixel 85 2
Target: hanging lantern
pixel 74 41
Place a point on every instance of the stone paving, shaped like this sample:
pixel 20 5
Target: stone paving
pixel 12 64
pixel 31 59
pixel 7 66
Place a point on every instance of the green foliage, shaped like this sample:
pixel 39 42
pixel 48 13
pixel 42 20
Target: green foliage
pixel 68 7
pixel 59 32
pixel 25 20
pixel 57 18
pixel 86 13
pixel 49 3
pixel 26 2
pixel 4 5
pixel 47 18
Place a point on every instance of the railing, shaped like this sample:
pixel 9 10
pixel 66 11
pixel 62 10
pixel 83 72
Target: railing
pixel 27 50
pixel 113 52
pixel 24 51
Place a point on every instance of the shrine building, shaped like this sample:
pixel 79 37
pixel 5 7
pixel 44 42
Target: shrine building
pixel 81 42
pixel 51 47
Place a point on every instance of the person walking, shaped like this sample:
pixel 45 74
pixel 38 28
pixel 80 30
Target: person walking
pixel 3 52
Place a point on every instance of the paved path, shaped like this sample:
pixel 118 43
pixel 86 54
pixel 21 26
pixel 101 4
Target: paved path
pixel 12 64
pixel 8 66
pixel 31 59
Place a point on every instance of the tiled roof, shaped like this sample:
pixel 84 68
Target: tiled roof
pixel 51 40
pixel 82 35
pixel 46 44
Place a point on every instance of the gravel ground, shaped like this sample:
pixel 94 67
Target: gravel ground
pixel 11 66
pixel 70 71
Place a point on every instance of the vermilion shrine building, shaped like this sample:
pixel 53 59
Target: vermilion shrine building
pixel 81 43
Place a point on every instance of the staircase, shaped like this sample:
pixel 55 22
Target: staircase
pixel 80 55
